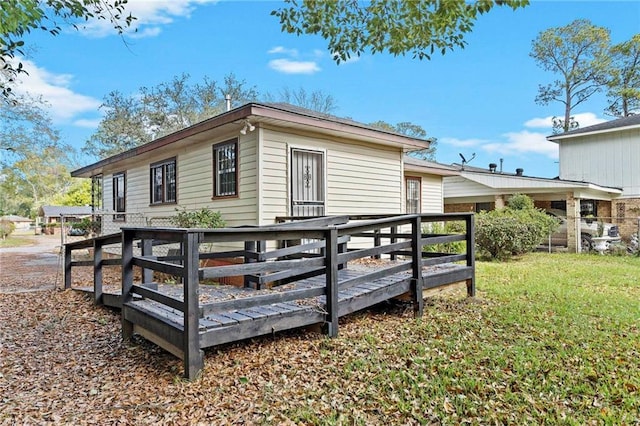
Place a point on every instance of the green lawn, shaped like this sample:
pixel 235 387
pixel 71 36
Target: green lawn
pixel 550 339
pixel 15 241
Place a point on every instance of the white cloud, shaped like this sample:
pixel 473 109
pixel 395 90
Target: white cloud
pixel 55 90
pixel 584 119
pixel 540 123
pixel 283 50
pixel 146 32
pixel 521 143
pixel 514 143
pixel 352 59
pixel 294 67
pixel 588 119
pixel 89 124
pixel 465 143
pixel 150 15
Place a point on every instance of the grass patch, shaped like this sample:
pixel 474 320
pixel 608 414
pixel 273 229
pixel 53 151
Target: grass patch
pixel 15 241
pixel 551 339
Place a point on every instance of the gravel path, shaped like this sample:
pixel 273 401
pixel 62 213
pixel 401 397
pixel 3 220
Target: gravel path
pixel 32 267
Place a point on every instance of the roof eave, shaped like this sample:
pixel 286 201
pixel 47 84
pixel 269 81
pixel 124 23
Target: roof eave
pixel 553 183
pixel 430 170
pixel 556 138
pixel 203 126
pixel 264 111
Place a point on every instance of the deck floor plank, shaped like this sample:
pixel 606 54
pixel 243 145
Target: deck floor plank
pixel 290 313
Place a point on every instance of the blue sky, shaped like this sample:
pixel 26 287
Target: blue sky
pixel 474 100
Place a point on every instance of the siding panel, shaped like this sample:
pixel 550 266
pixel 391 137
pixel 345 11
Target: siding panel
pixel 195 183
pixel 361 178
pixel 609 159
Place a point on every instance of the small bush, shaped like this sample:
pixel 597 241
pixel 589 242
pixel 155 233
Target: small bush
pixel 6 228
pixel 521 202
pixel 447 228
pixel 514 230
pixel 203 218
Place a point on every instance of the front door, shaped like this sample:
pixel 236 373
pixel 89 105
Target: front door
pixel 307 183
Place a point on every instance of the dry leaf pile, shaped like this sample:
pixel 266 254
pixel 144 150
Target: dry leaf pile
pixel 516 357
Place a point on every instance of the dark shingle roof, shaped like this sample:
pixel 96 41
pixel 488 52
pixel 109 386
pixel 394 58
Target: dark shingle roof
pixel 295 109
pixel 15 218
pixel 632 120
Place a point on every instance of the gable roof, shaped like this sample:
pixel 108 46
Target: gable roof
pixel 55 211
pixel 279 114
pixel 625 123
pixel 15 218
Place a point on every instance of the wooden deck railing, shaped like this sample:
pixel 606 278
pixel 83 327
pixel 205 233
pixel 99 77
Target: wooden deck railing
pixel 273 255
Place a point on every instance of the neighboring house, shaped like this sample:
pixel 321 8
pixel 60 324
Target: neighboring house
pixel 599 176
pixel 19 221
pixel 53 214
pixel 477 189
pixel 262 161
pixel 606 154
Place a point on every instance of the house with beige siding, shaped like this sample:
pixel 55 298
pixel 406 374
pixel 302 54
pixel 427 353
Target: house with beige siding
pixel 258 162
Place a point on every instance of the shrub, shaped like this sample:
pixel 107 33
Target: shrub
pixel 203 218
pixel 520 202
pixel 6 228
pixel 514 230
pixel 447 228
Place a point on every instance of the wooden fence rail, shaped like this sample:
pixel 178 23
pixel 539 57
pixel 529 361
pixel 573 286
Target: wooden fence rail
pixel 310 255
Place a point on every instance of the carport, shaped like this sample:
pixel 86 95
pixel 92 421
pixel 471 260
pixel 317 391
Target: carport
pixel 478 189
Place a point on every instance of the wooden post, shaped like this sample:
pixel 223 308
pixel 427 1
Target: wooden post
pixel 471 261
pixel 342 248
pixel 260 248
pixel 249 246
pixel 127 279
pixel 98 297
pixel 193 355
pixel 67 267
pixel 416 266
pixel 394 230
pixel 377 241
pixel 147 250
pixel 331 272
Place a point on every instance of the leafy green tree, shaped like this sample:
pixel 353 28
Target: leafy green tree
pixel 579 54
pixel 414 131
pixel 420 28
pixel 134 120
pixel 34 180
pixel 624 84
pixel 35 164
pixel 19 17
pixel 78 194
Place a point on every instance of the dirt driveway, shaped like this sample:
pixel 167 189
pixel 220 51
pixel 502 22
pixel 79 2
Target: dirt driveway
pixel 33 267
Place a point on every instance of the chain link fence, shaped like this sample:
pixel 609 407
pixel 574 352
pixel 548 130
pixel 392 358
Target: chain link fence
pixel 77 229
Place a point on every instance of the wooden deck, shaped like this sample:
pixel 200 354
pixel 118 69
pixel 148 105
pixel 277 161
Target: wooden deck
pixel 305 279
